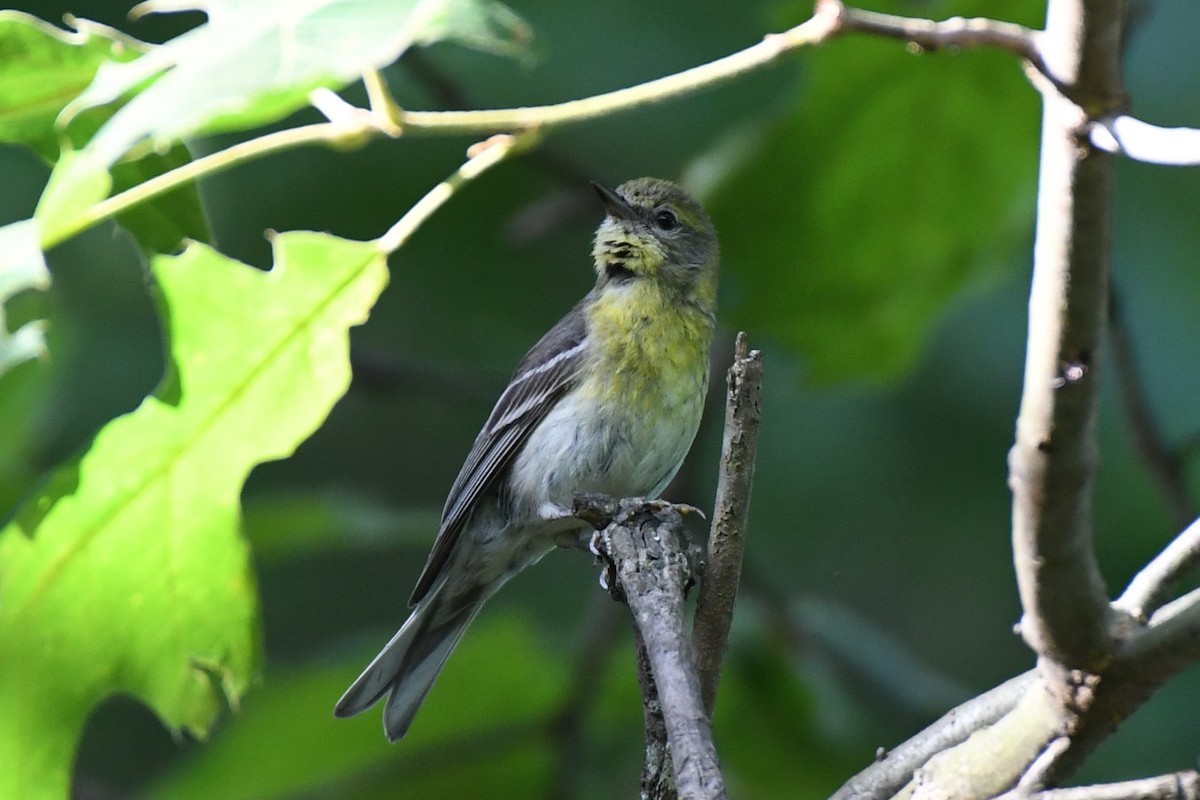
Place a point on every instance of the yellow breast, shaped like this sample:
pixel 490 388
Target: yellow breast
pixel 649 380
pixel 652 355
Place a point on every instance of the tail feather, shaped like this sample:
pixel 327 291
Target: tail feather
pixel 409 689
pixel 408 665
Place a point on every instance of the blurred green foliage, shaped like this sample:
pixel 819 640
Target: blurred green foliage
pixel 875 208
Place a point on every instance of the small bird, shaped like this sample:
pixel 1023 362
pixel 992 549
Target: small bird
pixel 608 401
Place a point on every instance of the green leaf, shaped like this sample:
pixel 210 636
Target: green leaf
pixel 848 229
pixel 78 182
pixel 127 572
pixel 167 222
pixel 22 267
pixel 42 68
pixel 254 63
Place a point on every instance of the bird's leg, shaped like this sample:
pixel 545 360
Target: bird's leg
pixel 603 512
pixel 562 525
pixel 552 515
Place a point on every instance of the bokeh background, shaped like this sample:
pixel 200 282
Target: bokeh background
pixel 875 208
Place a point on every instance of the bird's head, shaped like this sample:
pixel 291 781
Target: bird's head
pixel 655 231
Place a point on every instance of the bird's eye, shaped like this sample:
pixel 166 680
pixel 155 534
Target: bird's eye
pixel 666 220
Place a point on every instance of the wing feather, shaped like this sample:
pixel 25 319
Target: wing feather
pixel 547 372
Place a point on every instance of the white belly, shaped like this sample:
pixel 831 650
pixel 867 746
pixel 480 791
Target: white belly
pixel 602 450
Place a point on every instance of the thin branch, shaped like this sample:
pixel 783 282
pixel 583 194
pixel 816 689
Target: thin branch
pixel 727 536
pixel 1035 777
pixel 1185 608
pixel 352 127
pixel 379 99
pixel 1177 147
pixel 895 769
pixel 773 47
pixel 480 159
pixel 830 18
pixel 1170 643
pixel 1150 586
pixel 279 141
pixel 650 571
pixel 955 33
pixel 1164 464
pixel 1184 785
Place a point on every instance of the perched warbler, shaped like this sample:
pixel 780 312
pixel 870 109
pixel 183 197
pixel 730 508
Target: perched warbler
pixel 608 401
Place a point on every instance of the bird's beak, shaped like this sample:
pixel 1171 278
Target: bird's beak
pixel 614 204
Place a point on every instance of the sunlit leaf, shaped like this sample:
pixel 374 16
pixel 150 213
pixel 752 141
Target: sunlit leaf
pixel 78 182
pixel 42 68
pixel 127 572
pixel 22 266
pixel 253 63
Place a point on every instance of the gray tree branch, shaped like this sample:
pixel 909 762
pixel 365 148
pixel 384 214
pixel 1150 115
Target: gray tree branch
pixel 956 33
pixel 1096 663
pixel 894 769
pixel 726 540
pixel 1053 462
pixel 1183 785
pixel 1141 141
pixel 650 569
pixel 1149 656
pixel 1149 587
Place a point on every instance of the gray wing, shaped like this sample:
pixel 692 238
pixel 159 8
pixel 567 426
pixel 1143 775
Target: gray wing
pixel 546 373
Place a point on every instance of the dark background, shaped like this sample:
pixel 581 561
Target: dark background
pixel 880 514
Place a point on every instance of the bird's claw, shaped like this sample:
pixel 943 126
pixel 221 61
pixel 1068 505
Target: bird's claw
pixel 686 508
pixel 599 549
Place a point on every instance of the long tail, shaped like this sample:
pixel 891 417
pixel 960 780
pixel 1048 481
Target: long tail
pixel 409 664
